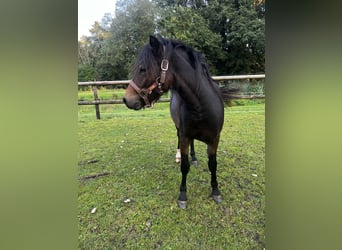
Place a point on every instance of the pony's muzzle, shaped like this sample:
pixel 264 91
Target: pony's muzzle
pixel 133 103
pixel 132 99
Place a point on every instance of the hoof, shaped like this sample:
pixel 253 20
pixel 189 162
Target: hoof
pixel 217 198
pixel 182 204
pixel 195 163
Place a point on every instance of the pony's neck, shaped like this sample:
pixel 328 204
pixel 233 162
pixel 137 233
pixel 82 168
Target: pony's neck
pixel 187 79
pixel 198 92
pixel 187 92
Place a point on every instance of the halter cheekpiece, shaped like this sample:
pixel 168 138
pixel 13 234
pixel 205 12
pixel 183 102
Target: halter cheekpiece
pixel 157 84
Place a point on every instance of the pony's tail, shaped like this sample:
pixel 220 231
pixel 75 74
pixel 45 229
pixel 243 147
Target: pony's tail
pixel 229 94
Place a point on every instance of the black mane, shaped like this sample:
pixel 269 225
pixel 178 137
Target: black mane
pixel 196 58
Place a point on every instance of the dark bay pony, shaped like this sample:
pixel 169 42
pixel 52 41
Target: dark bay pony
pixel 196 104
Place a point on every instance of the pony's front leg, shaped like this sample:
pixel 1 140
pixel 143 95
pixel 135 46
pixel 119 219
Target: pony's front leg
pixel 212 164
pixel 185 167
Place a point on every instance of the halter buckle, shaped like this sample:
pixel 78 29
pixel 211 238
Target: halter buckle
pixel 144 92
pixel 164 65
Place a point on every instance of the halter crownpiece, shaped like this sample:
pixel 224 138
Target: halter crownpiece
pixel 164 66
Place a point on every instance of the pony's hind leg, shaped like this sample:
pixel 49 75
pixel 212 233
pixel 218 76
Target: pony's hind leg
pixel 178 153
pixel 193 154
pixel 178 156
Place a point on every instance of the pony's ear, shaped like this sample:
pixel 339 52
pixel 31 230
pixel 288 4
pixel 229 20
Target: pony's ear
pixel 156 45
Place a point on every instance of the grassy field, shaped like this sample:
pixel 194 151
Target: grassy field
pixel 129 180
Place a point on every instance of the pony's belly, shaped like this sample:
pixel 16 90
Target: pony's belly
pixel 204 133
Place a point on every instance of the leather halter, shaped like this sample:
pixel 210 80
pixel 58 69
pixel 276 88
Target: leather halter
pixel 158 83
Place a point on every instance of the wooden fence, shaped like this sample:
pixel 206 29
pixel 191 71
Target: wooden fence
pixel 97 101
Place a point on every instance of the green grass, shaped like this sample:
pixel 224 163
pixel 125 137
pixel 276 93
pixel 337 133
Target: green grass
pixel 137 149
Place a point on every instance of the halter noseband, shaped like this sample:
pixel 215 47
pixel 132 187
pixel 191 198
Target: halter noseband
pixel 158 83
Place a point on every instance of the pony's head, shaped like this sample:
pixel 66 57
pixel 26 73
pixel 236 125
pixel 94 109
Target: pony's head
pixel 151 77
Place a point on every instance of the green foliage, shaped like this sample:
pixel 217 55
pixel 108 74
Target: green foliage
pixel 86 73
pixel 187 25
pixel 137 150
pixel 130 30
pixel 242 30
pixel 105 71
pixel 230 34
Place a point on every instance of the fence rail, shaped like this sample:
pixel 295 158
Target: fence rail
pixel 97 101
pixel 216 78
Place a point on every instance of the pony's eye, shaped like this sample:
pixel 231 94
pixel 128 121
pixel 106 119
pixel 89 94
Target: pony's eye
pixel 141 70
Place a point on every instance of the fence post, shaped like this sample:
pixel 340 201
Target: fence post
pixel 97 106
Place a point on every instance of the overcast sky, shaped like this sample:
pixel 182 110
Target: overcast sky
pixel 90 11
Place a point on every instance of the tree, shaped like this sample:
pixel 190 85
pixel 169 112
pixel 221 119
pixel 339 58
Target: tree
pixel 84 54
pixel 134 22
pixel 86 73
pixel 194 4
pixel 90 53
pixel 241 25
pixel 230 34
pixel 187 25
